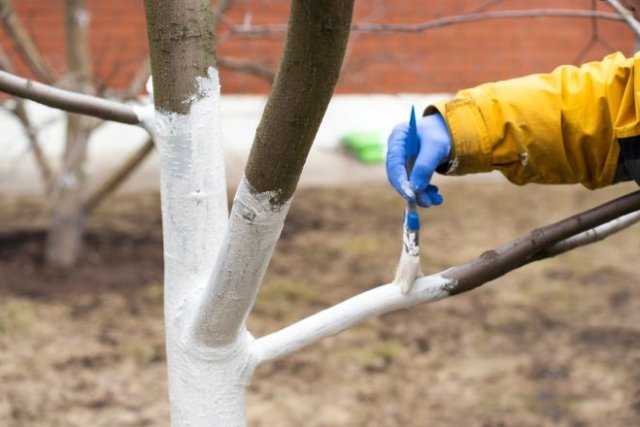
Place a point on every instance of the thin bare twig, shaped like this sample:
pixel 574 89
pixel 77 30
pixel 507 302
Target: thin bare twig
pixel 220 9
pixel 32 136
pixel 248 67
pixel 20 112
pixel 139 80
pixel 446 21
pixel 24 44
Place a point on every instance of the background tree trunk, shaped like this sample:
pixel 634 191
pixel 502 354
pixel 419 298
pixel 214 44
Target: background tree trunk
pixel 67 226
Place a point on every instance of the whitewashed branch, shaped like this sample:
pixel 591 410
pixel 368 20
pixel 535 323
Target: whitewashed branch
pixel 626 15
pixel 591 236
pixel 584 228
pixel 254 226
pixel 343 316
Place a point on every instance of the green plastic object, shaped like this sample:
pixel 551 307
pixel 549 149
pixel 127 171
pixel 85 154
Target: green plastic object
pixel 366 146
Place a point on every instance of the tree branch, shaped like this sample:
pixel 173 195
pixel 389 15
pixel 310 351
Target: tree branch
pixel 314 50
pixel 248 67
pixel 24 44
pixel 68 101
pixel 447 21
pixel 626 15
pixel 21 114
pixel 541 243
pixel 315 46
pixel 596 234
pixel 45 170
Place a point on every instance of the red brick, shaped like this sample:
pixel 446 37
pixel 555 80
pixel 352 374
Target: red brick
pixel 443 59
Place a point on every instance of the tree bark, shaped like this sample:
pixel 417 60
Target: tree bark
pixel 67 223
pixel 206 385
pixel 210 361
pixel 315 45
pixel 313 54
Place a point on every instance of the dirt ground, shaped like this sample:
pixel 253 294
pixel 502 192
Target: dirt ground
pixel 556 343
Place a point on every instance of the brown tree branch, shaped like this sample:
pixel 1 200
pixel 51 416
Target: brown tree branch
pixel 24 44
pixel 43 165
pixel 139 80
pixel 21 114
pixel 593 235
pixel 446 21
pixel 488 266
pixel 66 100
pixel 314 50
pixel 217 12
pixel 495 263
pixel 248 67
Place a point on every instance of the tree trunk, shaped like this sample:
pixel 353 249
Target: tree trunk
pixel 214 266
pixel 204 385
pixel 67 224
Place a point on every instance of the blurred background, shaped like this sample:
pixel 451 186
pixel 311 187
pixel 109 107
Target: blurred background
pixel 81 337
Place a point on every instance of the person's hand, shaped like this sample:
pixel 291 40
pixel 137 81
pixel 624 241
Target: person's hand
pixel 434 144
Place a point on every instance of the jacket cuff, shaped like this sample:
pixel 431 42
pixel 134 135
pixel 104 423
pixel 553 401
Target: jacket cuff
pixel 470 147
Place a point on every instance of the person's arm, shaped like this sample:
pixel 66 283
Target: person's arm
pixel 561 127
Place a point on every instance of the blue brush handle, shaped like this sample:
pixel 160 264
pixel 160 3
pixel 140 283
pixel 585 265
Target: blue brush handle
pixel 412 219
pixel 412 140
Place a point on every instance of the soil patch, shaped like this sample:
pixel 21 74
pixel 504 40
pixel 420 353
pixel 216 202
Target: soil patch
pixel 556 343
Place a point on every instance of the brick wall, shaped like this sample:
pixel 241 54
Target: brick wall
pixel 438 60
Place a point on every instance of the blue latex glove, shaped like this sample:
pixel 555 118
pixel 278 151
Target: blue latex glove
pixel 434 144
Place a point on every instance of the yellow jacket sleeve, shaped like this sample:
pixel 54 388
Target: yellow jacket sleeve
pixel 560 127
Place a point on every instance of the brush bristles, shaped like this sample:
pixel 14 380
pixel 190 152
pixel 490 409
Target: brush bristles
pixel 407 272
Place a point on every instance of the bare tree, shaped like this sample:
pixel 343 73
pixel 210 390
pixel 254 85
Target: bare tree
pixel 67 196
pixel 215 260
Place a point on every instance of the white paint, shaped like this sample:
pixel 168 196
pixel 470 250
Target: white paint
pixel 147 116
pixel 69 181
pixel 82 17
pixel 194 217
pixel 342 316
pixel 408 269
pixel 254 228
pixel 626 15
pixel 595 234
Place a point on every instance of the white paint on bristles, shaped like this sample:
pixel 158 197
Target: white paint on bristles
pixel 408 269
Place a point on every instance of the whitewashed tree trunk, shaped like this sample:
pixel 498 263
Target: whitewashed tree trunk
pixel 214 266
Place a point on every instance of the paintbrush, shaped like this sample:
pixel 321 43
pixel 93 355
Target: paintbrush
pixel 409 266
